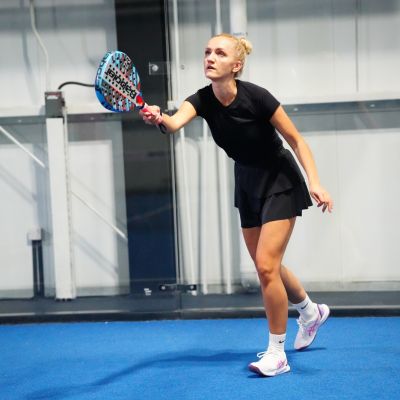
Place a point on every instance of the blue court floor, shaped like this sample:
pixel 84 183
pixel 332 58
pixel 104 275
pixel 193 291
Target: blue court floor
pixel 352 358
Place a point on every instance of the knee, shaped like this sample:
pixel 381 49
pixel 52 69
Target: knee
pixel 268 269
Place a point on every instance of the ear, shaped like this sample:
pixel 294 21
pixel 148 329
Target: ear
pixel 237 67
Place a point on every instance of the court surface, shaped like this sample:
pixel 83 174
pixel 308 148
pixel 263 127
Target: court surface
pixel 351 358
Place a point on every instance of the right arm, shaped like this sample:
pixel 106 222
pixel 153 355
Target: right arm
pixel 172 123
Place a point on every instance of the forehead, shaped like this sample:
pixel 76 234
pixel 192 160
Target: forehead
pixel 221 43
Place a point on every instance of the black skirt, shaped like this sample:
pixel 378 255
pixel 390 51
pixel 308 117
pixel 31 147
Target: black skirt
pixel 285 205
pixel 270 193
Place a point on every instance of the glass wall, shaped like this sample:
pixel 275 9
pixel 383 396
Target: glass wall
pixel 107 215
pixel 87 204
pixel 333 65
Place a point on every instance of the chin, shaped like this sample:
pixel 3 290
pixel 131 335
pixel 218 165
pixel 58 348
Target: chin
pixel 211 75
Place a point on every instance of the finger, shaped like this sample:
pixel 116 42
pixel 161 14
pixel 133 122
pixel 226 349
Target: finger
pixel 159 119
pixel 315 197
pixel 322 197
pixel 149 115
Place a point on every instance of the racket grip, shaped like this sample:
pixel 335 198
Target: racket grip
pixel 161 127
pixel 145 108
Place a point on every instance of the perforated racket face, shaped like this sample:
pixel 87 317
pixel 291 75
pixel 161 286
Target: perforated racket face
pixel 118 84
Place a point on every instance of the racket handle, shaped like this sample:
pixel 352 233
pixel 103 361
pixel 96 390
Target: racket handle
pixel 145 108
pixel 161 127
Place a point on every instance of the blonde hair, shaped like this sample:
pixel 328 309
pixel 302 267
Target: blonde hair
pixel 243 48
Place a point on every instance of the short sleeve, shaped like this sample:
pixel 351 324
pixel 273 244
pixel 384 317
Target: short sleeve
pixel 195 101
pixel 268 104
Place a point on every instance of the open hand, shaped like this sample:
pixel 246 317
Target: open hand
pixel 322 197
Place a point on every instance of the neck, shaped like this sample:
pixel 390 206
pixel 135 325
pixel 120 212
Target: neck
pixel 225 91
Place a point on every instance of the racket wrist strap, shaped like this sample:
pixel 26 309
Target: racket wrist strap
pixel 160 118
pixel 162 127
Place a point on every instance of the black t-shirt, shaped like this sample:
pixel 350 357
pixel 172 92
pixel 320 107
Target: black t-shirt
pixel 243 130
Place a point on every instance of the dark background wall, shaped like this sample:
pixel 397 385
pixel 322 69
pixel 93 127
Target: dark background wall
pixel 141 34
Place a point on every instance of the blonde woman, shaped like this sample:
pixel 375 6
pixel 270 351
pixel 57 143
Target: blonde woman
pixel 270 191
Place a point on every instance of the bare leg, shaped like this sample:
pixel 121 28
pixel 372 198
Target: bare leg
pixel 272 241
pixel 268 259
pixel 294 289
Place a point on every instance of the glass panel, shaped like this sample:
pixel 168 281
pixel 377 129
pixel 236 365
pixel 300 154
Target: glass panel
pixel 96 224
pixel 325 64
pixel 24 216
pixel 332 64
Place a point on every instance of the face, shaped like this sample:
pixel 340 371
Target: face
pixel 220 61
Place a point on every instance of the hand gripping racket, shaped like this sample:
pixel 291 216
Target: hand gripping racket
pixel 117 84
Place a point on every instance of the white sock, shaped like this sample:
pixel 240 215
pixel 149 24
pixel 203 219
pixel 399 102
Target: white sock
pixel 276 342
pixel 307 309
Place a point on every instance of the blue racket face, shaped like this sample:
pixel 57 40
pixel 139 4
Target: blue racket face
pixel 117 83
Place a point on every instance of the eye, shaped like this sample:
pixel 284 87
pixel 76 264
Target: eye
pixel 207 52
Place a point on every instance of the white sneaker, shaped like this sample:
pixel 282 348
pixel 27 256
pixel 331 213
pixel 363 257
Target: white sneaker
pixel 308 330
pixel 270 364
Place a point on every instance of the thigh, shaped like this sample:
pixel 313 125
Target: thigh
pixel 251 237
pixel 273 239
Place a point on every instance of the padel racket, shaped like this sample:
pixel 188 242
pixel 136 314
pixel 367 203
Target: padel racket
pixel 117 84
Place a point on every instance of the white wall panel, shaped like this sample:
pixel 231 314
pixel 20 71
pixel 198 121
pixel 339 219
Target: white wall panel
pixel 315 250
pixel 368 168
pixel 100 256
pixel 379 43
pixel 76 35
pixel 18 215
pixel 303 50
pixel 318 51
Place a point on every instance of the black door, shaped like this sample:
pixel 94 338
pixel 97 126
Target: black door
pixel 147 155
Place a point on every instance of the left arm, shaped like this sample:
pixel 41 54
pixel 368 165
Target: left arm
pixel 287 129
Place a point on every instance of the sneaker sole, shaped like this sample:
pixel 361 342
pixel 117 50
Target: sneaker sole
pixel 323 319
pixel 280 371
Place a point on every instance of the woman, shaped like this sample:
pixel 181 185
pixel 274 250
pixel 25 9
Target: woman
pixel 270 191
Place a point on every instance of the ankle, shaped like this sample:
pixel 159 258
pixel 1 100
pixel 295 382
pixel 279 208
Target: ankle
pixel 307 309
pixel 276 343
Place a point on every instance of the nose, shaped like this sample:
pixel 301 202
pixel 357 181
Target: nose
pixel 210 58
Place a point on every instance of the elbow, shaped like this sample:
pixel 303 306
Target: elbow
pixel 294 144
pixel 172 129
pixel 298 144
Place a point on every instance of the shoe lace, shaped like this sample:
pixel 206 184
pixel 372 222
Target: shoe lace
pixel 261 354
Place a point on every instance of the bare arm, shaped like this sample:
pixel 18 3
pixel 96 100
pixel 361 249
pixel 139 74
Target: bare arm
pixel 285 126
pixel 173 123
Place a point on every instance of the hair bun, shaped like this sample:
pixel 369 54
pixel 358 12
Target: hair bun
pixel 248 47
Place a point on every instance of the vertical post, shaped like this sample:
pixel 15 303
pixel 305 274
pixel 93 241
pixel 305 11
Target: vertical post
pixel 238 17
pixel 186 209
pixel 203 210
pixel 238 27
pixel 57 143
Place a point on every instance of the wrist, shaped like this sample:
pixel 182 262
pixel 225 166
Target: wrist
pixel 159 118
pixel 313 183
